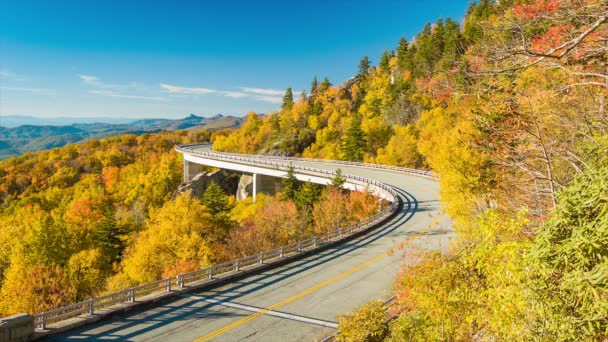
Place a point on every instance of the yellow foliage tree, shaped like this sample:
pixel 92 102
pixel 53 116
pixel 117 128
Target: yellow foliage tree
pixel 175 234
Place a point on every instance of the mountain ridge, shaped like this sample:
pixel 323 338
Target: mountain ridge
pixel 20 139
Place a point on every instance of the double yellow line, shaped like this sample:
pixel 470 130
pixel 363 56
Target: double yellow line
pixel 312 289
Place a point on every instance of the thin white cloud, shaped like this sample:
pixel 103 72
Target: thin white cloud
pixel 95 81
pixel 234 94
pixel 257 94
pixel 31 90
pixel 270 99
pixel 9 75
pixel 89 79
pixel 173 89
pixel 263 91
pixel 126 96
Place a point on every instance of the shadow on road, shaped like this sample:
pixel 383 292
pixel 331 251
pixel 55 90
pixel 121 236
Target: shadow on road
pixel 170 310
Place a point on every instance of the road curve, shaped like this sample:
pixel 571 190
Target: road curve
pixel 298 301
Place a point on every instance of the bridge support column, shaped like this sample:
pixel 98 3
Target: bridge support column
pixel 264 184
pixel 191 170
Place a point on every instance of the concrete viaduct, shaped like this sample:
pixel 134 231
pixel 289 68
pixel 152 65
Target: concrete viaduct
pixel 292 293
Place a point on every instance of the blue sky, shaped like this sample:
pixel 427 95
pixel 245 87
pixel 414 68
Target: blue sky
pixel 172 58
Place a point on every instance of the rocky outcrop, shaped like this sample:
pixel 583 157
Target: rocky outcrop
pixel 265 184
pixel 228 181
pixel 245 187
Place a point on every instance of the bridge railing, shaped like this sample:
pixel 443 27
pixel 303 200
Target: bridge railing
pixel 225 269
pixel 190 149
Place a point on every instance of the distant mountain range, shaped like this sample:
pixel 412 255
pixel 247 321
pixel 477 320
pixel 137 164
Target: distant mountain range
pixel 18 139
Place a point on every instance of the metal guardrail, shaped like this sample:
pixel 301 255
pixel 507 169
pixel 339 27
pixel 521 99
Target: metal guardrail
pixel 222 270
pixel 430 174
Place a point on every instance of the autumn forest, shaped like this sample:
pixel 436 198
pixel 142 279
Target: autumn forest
pixel 509 107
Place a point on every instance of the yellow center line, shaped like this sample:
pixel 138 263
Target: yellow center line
pixel 310 290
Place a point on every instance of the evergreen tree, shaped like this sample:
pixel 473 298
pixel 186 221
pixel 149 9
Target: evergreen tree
pixel 303 96
pixel 308 194
pixel 354 143
pixel 438 40
pixel 385 62
pixel 275 123
pixel 364 66
pixel 287 99
pixel 107 236
pixel 325 84
pixel 402 53
pixel 313 86
pixel 423 59
pixel 338 180
pixel 317 108
pixel 215 199
pixel 291 185
pixel 452 44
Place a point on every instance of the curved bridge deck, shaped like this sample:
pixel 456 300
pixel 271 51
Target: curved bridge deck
pixel 298 301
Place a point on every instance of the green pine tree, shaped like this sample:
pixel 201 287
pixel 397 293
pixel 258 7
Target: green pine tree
pixel 215 199
pixel 338 180
pixel 108 237
pixel 385 62
pixel 324 85
pixel 291 185
pixel 275 123
pixel 288 99
pixel 402 53
pixel 364 66
pixel 313 86
pixel 353 144
pixel 308 194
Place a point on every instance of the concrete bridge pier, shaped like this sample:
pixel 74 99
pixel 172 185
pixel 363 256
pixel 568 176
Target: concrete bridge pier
pixel 191 169
pixel 265 184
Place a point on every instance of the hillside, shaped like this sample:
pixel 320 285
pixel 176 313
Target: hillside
pixel 25 138
pixel 510 109
pixel 84 219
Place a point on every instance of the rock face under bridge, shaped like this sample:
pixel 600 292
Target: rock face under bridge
pixel 228 181
pixel 249 185
pixel 240 185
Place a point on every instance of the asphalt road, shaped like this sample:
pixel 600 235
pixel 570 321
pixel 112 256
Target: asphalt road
pixel 298 301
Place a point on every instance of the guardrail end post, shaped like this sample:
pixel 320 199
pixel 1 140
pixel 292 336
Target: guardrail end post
pixel 236 265
pixel 209 273
pixel 314 241
pixel 90 307
pixel 299 246
pixel 281 252
pixel 261 258
pixel 168 285
pixel 180 281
